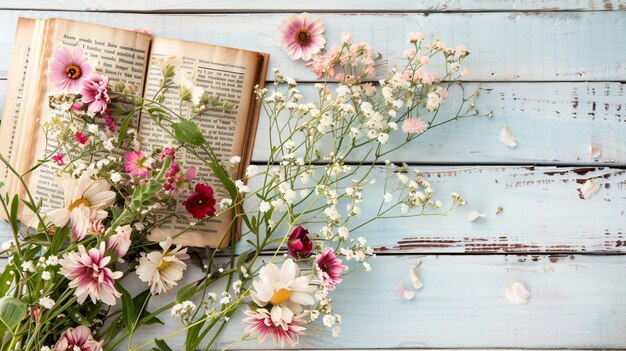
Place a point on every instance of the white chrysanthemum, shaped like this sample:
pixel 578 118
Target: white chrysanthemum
pixel 162 270
pixel 85 199
pixel 285 289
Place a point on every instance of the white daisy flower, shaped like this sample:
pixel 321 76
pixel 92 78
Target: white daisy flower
pixel 162 270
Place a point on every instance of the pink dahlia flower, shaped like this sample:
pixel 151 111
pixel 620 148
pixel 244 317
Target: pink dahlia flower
pixel 414 126
pixel 88 273
pixel 136 164
pixel 282 330
pixel 78 338
pixel 301 37
pixel 328 268
pixel 67 68
pixel 94 92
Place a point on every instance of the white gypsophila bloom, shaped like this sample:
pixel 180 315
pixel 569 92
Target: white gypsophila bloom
pixel 271 224
pixel 327 232
pixel 329 320
pixel 367 267
pixel 45 348
pixel 52 261
pixel 28 266
pixel 382 138
pixel 45 275
pixel 225 298
pixel 332 214
pixel 264 206
pixel 362 240
pixel 353 210
pixel 288 146
pixel 212 296
pixel 347 253
pixel 393 125
pixel 290 196
pixel 404 209
pixel 278 205
pixel 235 160
pixel 108 145
pixel 241 187
pixel 7 245
pixel 116 177
pixel 336 331
pixel 46 302
pixel 237 286
pixel 402 178
pixel 252 170
pixel 437 204
pixel 387 197
pixel 314 315
pixel 139 226
pixel 304 193
pixel 225 203
pixel 321 293
pixel 359 255
pixel 343 232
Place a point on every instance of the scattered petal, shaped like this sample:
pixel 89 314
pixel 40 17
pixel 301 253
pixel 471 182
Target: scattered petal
pixel 474 215
pixel 415 280
pixel 403 293
pixel 418 263
pixel 589 189
pixel 507 138
pixel 594 150
pixel 516 293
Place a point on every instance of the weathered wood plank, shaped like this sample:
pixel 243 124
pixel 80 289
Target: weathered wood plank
pixel 323 5
pixel 554 123
pixel 562 46
pixel 542 211
pixel 576 302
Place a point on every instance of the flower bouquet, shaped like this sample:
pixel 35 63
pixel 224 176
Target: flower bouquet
pixel 65 285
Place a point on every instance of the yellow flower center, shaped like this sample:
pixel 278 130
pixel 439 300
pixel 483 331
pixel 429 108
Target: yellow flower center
pixel 81 201
pixel 163 264
pixel 73 72
pixel 280 296
pixel 302 37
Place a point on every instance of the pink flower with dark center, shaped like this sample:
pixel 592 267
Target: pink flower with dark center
pixel 67 68
pixel 78 338
pixel 89 274
pixel 328 268
pixel 136 164
pixel 299 244
pixel 58 159
pixel 414 126
pixel 301 37
pixel 94 92
pixel 262 325
pixel 81 138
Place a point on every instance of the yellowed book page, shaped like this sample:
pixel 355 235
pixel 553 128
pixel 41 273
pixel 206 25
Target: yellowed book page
pixel 228 73
pixel 10 138
pixel 119 54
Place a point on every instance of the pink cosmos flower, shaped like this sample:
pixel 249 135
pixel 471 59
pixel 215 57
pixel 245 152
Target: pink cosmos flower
pixel 67 68
pixel 414 126
pixel 136 164
pixel 58 159
pixel 78 338
pixel 88 273
pixel 81 138
pixel 94 92
pixel 414 37
pixel 282 331
pixel 328 268
pixel 301 37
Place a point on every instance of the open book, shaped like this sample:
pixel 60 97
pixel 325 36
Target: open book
pixel 130 57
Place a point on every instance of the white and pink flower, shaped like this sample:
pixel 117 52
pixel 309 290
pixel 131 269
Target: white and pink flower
pixel 301 36
pixel 79 338
pixel 89 274
pixel 120 242
pixel 94 92
pixel 162 269
pixel 329 268
pixel 282 331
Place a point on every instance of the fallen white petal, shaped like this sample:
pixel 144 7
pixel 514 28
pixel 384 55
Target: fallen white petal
pixel 474 215
pixel 589 189
pixel 507 138
pixel 516 293
pixel 418 263
pixel 403 293
pixel 594 150
pixel 415 280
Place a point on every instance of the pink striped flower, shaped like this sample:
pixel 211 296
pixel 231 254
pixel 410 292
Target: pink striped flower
pixel 94 92
pixel 78 338
pixel 282 330
pixel 301 37
pixel 89 274
pixel 328 268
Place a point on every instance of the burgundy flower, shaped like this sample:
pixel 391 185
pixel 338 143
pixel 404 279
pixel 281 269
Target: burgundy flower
pixel 201 203
pixel 328 268
pixel 81 138
pixel 299 244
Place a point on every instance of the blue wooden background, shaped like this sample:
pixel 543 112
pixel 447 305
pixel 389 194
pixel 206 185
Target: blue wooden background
pixel 553 71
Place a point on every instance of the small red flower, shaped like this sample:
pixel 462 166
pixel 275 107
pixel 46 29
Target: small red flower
pixel 201 203
pixel 81 138
pixel 299 244
pixel 58 159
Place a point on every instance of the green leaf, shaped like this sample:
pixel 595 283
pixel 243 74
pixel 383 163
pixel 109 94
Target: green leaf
pixel 12 311
pixel 188 132
pixel 58 239
pixel 162 345
pixel 124 127
pixel 6 279
pixel 128 309
pixel 186 292
pixel 14 207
